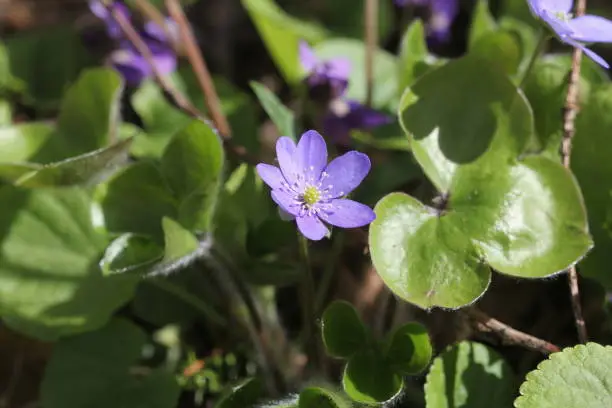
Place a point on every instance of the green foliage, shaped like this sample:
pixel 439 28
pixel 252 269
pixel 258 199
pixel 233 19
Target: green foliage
pixel 97 370
pixel 469 375
pixel 279 114
pixel 319 397
pixel 413 55
pixel 281 34
pixel 483 23
pixel 493 201
pixel 577 376
pixel 374 370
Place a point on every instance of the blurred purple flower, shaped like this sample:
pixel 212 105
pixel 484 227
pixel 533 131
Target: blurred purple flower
pixel 346 115
pixel 126 59
pixel 573 31
pixel 310 190
pixel 441 14
pixel 333 72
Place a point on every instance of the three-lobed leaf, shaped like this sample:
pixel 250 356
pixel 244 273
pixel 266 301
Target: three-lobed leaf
pixel 409 349
pixel 342 329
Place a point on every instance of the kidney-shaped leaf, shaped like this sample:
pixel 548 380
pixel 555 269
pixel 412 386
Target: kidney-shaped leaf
pixel 369 379
pixel 50 282
pixel 576 377
pixel 409 349
pixel 343 331
pixel 318 397
pixel 95 370
pixel 469 375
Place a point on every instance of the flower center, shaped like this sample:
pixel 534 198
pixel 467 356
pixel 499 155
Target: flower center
pixel 565 17
pixel 311 195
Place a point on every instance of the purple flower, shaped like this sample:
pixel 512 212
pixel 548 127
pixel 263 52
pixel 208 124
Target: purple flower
pixel 440 16
pixel 346 115
pixel 573 31
pixel 100 10
pixel 310 190
pixel 333 72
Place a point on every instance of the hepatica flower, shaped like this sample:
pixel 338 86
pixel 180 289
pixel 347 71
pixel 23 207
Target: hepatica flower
pixel 573 31
pixel 333 72
pixel 440 16
pixel 311 190
pixel 346 115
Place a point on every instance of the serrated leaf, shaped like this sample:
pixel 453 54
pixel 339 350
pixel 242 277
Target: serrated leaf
pixel 343 331
pixel 482 24
pixel 281 34
pixel 279 114
pixel 369 379
pixel 192 165
pixel 87 169
pixel 576 377
pixel 84 369
pixel 385 70
pixel 318 397
pixel 469 375
pixel 50 282
pixel 409 349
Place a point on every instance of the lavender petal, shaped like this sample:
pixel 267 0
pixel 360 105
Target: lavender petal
pixel 130 65
pixel 312 155
pixel 339 69
pixel 345 173
pixel 271 175
pixel 589 53
pixel 555 6
pixel 312 227
pixel 348 214
pixel 308 59
pixel 286 202
pixel 591 29
pixel 286 156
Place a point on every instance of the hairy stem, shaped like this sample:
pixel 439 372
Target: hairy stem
pixel 307 297
pixel 539 49
pixel 485 323
pixel 570 111
pixel 329 272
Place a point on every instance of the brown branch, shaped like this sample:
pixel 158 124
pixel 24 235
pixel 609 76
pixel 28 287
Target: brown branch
pixel 485 323
pixel 371 42
pixel 213 104
pixel 177 98
pixel 570 112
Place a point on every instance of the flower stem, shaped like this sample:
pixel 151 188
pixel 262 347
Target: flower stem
pixel 307 297
pixel 542 42
pixel 330 270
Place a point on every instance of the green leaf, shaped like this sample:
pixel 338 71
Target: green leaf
pixel 263 272
pixel 135 201
pixel 385 70
pixel 483 23
pixel 413 54
pixel 343 331
pixel 576 377
pixel 87 169
pixel 281 116
pixel 192 165
pixel 527 39
pixel 494 216
pixel 130 253
pixel 46 62
pixel 6 111
pixel 242 395
pixel 161 120
pixel 95 370
pixel 500 49
pixel 409 349
pixel 281 34
pixel 318 397
pixel 21 142
pixel 369 379
pixel 469 375
pixel 50 282
pixel 179 241
pixel 88 117
pixel 592 166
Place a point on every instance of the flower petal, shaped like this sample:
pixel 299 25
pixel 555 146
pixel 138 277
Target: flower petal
pixel 591 29
pixel 271 175
pixel 560 27
pixel 555 6
pixel 365 118
pixel 338 68
pixel 285 154
pixel 592 55
pixel 345 173
pixel 130 65
pixel 312 227
pixel 308 58
pixel 286 202
pixel 312 155
pixel 348 214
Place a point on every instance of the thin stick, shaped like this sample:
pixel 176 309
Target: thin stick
pixel 570 112
pixel 371 40
pixel 508 335
pixel 213 104
pixel 177 98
